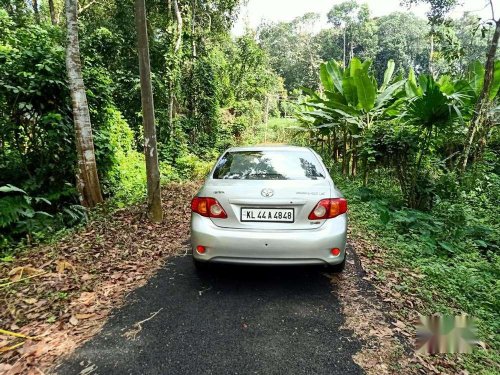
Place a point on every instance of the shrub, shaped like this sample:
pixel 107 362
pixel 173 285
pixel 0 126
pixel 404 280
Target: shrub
pixel 124 171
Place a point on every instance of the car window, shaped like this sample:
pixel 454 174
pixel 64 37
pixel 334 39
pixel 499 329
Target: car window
pixel 269 165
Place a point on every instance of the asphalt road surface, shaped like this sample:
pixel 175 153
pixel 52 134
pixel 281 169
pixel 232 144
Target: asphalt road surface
pixel 252 320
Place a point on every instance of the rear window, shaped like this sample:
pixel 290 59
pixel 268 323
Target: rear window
pixel 269 165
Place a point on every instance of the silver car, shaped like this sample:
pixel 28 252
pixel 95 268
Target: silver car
pixel 269 205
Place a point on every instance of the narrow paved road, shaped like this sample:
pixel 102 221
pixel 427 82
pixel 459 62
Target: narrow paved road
pixel 229 321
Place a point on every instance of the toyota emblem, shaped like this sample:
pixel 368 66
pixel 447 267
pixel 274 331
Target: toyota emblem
pixel 267 193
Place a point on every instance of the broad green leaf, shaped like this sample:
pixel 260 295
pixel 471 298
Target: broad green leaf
pixel 335 96
pixel 347 117
pixel 495 85
pixel 336 73
pixel 319 114
pixel 388 93
pixel 475 76
pixel 446 85
pixel 365 67
pixel 411 86
pixel 365 89
pixel 350 93
pixel 354 65
pixel 326 78
pixel 331 106
pixel 388 74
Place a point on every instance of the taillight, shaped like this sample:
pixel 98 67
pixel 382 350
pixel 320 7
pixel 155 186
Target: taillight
pixel 329 208
pixel 208 207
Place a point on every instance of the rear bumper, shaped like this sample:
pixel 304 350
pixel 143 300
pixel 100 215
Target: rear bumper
pixel 245 246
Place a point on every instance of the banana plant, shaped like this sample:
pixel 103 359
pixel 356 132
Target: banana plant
pixel 351 100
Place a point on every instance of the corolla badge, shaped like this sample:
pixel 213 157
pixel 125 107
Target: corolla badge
pixel 267 193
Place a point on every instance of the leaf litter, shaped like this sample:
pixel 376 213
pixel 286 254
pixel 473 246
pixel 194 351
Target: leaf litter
pixel 383 316
pixel 62 293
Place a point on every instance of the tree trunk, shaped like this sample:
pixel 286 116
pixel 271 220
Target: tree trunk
pixel 266 110
pixel 52 11
pixel 154 210
pixel 177 47
pixel 345 166
pixel 178 17
pixel 482 101
pixel 354 153
pixel 365 171
pixel 335 145
pixel 431 53
pixel 87 179
pixel 36 10
pixel 193 19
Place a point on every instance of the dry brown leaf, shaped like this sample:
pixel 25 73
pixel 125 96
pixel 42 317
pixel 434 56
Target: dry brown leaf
pixel 83 316
pixel 73 320
pixel 86 298
pixel 18 272
pixel 63 265
pixel 15 271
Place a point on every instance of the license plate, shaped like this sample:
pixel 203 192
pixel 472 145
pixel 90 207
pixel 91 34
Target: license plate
pixel 275 215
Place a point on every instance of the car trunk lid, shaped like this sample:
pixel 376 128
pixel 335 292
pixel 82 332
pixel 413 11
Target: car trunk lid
pixel 258 198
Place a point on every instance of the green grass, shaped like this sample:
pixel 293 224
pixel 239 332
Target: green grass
pixel 459 275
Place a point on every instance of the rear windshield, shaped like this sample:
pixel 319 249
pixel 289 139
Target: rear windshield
pixel 269 165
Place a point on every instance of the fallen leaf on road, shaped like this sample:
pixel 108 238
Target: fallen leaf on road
pixel 63 265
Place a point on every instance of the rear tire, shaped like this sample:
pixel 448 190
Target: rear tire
pixel 337 268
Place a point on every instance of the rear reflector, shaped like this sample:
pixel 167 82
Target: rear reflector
pixel 201 249
pixel 335 252
pixel 329 208
pixel 208 207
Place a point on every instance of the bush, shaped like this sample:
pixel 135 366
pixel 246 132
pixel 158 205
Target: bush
pixel 124 170
pixel 24 217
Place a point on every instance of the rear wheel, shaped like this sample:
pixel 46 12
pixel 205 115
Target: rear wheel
pixel 337 268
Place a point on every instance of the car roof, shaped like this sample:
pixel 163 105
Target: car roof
pixel 269 147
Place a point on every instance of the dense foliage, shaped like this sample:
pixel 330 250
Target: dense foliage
pixel 208 87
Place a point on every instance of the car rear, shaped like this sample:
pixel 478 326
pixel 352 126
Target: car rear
pixel 269 205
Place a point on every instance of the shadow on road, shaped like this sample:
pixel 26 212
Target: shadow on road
pixel 263 320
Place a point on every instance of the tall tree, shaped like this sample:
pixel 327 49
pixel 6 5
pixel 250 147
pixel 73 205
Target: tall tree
pixel 402 38
pixel 293 50
pixel 486 95
pixel 36 10
pixel 359 31
pixel 52 11
pixel 87 179
pixel 154 210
